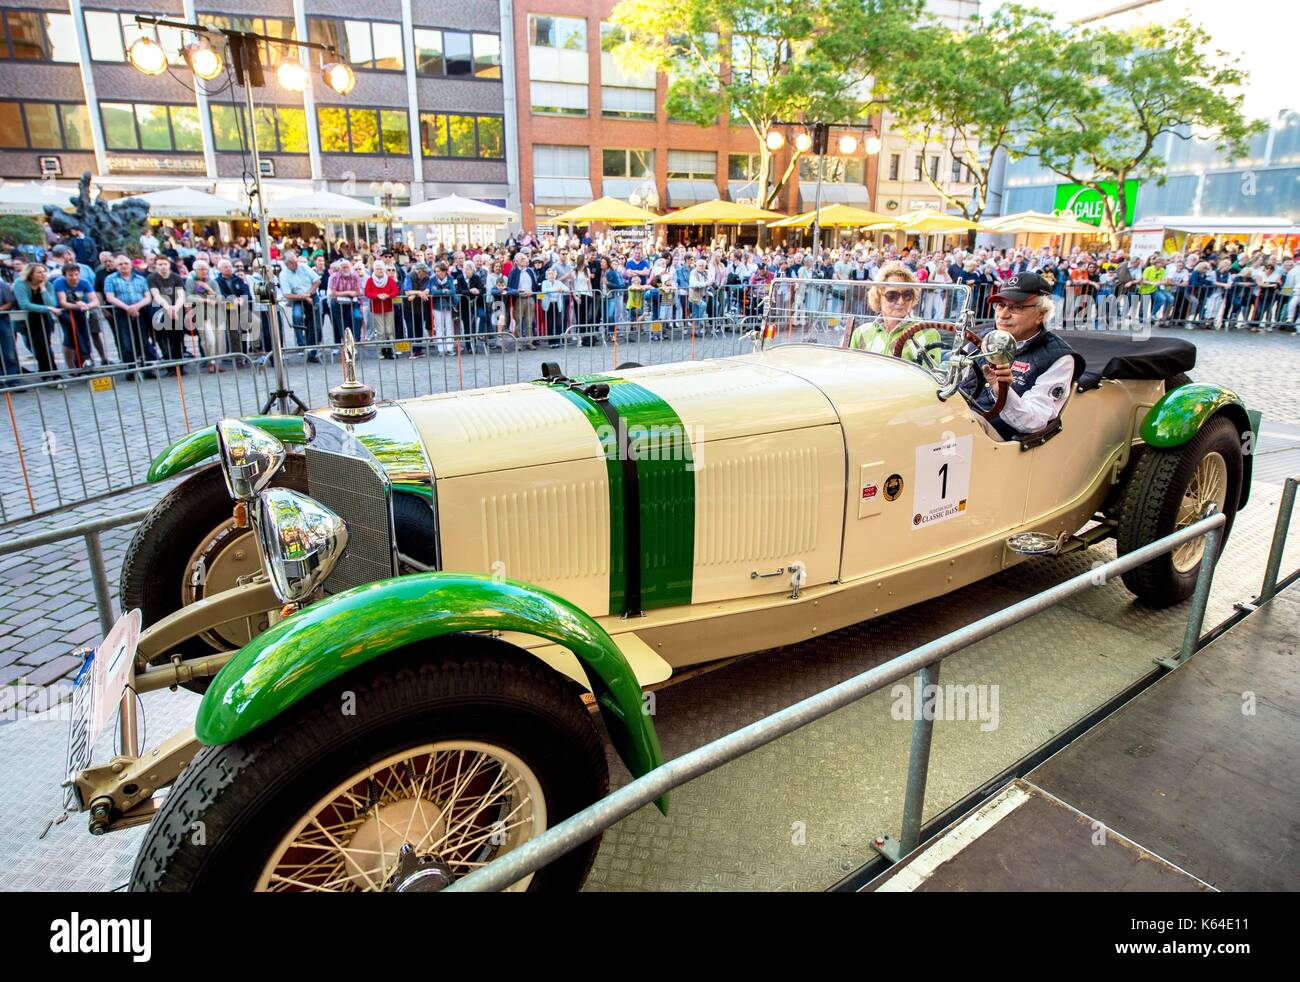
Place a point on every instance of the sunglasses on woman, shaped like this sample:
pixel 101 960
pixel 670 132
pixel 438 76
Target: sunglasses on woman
pixel 895 296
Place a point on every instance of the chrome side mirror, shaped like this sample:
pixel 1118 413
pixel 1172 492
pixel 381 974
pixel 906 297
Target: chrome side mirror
pixel 998 347
pixel 301 541
pixel 250 457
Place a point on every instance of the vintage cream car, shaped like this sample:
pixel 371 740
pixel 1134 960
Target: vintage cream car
pixel 408 601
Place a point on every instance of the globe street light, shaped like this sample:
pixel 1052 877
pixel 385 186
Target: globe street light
pixel 646 196
pixel 147 56
pixel 245 49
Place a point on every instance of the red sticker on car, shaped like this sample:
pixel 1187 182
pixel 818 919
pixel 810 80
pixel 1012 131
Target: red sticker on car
pixel 870 491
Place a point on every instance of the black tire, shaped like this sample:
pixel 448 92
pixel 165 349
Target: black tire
pixel 187 516
pixel 249 794
pixel 1177 381
pixel 628 364
pixel 1150 501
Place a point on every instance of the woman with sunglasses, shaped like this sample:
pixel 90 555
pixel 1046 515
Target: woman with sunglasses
pixel 895 307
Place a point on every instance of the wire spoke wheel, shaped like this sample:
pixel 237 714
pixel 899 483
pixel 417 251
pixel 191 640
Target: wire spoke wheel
pixel 456 805
pixel 1208 485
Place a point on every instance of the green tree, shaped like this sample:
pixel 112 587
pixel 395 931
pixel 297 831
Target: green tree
pixel 1117 93
pixel 970 91
pixel 20 230
pixel 764 61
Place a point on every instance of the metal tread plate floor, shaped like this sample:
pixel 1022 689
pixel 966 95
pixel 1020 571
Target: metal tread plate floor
pixel 1192 785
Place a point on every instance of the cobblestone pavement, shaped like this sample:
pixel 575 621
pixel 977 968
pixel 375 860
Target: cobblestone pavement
pixel 47 604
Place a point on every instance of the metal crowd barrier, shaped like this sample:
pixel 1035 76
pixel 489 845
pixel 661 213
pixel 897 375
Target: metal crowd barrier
pixel 924 662
pixel 84 436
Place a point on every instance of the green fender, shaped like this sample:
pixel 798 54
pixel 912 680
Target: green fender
pixel 311 648
pixel 1180 414
pixel 201 444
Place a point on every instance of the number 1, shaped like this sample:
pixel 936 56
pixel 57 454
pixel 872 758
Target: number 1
pixel 943 473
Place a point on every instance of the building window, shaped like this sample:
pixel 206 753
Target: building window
pixel 487 56
pixel 151 126
pixel 934 169
pixel 36 35
pixel 272 54
pixel 742 167
pixel 457 54
pixel 364 44
pixel 564 33
pixel 49 126
pixel 556 161
pixel 559 98
pixel 835 170
pixel 110 34
pixel 956 169
pixel 626 103
pixel 919 169
pixel 692 165
pixel 471 137
pixel 355 129
pixel 895 161
pixel 557 65
pixel 627 163
pixel 280 129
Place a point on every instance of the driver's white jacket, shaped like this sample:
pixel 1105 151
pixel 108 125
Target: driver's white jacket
pixel 1037 407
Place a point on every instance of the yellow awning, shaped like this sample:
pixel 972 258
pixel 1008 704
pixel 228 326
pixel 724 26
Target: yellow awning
pixel 606 209
pixel 834 216
pixel 1041 223
pixel 717 210
pixel 928 220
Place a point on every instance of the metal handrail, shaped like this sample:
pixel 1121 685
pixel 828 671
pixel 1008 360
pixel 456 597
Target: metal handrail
pixel 1274 564
pixel 594 819
pixel 94 552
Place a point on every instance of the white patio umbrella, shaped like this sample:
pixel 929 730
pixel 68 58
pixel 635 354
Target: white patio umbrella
pixel 453 210
pixel 29 198
pixel 324 206
pixel 186 202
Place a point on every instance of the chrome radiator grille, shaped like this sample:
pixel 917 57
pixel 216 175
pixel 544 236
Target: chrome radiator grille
pixel 350 487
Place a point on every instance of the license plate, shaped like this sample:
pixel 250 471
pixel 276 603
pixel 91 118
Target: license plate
pixel 96 695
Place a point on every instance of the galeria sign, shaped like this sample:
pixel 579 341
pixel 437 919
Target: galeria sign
pixel 1088 206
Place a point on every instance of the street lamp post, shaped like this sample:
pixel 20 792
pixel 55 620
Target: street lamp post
pixel 815 138
pixel 645 197
pixel 388 190
pixel 146 55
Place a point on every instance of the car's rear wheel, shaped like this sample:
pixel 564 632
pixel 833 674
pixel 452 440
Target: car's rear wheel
pixel 1168 490
pixel 457 752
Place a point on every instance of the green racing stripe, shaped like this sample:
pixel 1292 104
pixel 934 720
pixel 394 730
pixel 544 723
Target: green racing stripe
pixel 665 472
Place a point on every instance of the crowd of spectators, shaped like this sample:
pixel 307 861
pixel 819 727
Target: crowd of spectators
pixel 170 302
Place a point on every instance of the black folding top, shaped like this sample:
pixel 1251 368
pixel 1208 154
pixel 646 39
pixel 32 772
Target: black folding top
pixel 1119 354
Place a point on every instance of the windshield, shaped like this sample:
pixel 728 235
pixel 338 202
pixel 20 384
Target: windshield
pixel 895 315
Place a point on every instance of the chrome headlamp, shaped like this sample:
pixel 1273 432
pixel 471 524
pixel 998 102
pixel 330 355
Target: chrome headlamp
pixel 300 540
pixel 250 457
pixel 999 347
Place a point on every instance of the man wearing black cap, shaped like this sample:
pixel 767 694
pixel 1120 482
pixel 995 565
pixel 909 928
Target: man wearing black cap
pixel 1044 369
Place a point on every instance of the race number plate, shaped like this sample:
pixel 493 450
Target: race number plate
pixel 96 695
pixel 942 481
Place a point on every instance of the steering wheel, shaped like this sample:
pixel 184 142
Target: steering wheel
pixel 980 382
pixel 923 353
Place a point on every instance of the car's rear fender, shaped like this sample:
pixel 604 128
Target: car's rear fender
pixel 334 636
pixel 1181 412
pixel 201 444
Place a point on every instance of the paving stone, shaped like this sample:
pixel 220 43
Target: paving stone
pixel 55 668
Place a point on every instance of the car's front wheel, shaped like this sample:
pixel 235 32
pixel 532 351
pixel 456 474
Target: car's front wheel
pixel 1168 490
pixel 405 774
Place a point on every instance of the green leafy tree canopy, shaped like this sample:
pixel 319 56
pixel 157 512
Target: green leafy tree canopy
pixel 765 61
pixel 1115 94
pixel 970 91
